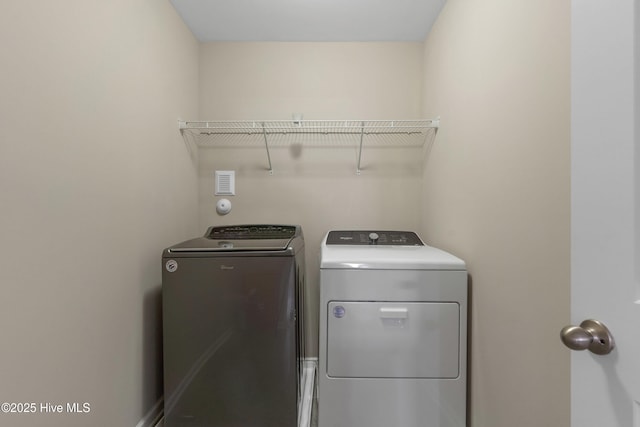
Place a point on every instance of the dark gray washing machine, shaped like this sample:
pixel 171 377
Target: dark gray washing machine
pixel 233 327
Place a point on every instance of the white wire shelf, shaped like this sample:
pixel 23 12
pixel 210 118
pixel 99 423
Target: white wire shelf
pixel 320 133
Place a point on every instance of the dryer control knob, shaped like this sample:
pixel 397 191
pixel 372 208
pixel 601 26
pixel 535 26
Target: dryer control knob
pixel 373 238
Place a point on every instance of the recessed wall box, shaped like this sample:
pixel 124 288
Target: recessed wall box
pixel 225 183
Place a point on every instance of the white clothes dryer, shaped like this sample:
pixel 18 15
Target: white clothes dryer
pixel 393 332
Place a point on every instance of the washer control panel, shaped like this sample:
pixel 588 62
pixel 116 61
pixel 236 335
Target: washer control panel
pixel 373 237
pixel 252 232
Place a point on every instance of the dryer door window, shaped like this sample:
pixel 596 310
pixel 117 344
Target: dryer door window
pixel 393 339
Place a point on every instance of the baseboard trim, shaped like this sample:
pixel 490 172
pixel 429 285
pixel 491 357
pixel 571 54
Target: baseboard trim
pixel 308 384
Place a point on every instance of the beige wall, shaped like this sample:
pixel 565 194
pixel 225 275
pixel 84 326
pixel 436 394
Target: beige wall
pixel 95 181
pixel 496 193
pixel 270 81
pixel 316 187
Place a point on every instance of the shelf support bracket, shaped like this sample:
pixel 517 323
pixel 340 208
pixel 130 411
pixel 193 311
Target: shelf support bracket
pixel 266 146
pixel 360 149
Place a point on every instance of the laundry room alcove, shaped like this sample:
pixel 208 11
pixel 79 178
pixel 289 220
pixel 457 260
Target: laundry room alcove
pixel 316 173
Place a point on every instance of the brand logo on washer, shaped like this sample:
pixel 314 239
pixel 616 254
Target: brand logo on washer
pixel 338 311
pixel 171 265
pixel 227 267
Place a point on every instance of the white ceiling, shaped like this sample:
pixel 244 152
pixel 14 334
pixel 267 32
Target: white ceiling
pixel 309 20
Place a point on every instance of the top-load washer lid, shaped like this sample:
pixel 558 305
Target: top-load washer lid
pixel 253 237
pixel 384 250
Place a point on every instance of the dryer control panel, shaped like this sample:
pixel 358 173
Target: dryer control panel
pixel 371 237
